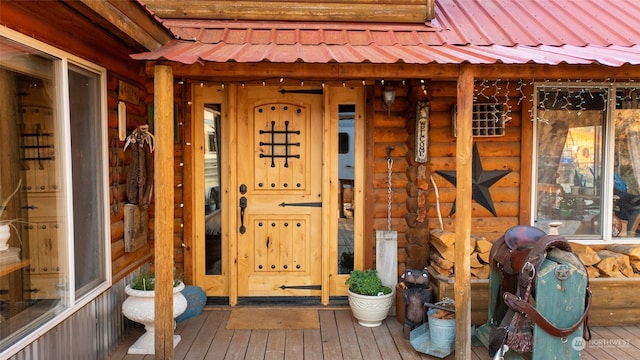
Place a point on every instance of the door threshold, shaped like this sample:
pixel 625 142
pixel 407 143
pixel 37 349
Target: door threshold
pixel 280 301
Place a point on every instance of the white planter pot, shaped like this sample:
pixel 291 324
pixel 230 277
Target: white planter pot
pixel 139 307
pixel 5 235
pixel 370 310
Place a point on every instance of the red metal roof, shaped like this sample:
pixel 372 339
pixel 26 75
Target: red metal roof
pixel 549 32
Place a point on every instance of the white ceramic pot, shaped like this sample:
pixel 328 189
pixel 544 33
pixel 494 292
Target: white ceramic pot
pixel 370 310
pixel 5 235
pixel 139 307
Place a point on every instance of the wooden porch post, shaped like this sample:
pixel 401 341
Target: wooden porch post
pixel 163 234
pixel 464 146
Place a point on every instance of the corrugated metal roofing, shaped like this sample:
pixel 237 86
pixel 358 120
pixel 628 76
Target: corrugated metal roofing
pixel 549 32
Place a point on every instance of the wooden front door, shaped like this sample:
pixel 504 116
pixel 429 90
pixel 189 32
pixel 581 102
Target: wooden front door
pixel 279 173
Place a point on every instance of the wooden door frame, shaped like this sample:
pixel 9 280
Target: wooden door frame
pixel 333 282
pixel 203 93
pixel 227 283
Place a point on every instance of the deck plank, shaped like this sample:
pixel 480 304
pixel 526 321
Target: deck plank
pixel 238 345
pixel 347 335
pixel 385 342
pixel 275 345
pixel 313 344
pixel 212 320
pixel 367 342
pixel 339 337
pixel 189 333
pixel 257 344
pixel 627 333
pixel 219 344
pixel 406 350
pixel 294 344
pixel 329 333
pixel 611 343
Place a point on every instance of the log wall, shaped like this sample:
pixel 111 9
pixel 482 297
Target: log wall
pixel 119 161
pixel 385 130
pixel 397 130
pixel 496 153
pixel 79 36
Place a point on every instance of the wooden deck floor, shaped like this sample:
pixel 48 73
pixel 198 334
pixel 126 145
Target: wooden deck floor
pixel 339 337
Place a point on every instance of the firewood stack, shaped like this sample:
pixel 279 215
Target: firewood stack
pixel 615 260
pixel 443 254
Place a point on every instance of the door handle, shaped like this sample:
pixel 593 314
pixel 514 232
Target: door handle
pixel 243 205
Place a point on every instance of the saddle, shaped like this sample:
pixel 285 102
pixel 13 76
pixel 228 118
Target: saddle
pixel 517 256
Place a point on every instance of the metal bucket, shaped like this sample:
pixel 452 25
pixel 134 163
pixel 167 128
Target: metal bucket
pixel 442 331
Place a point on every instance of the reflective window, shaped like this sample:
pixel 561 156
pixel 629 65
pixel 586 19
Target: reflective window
pixel 52 187
pixel 212 212
pixel 346 161
pixel 588 160
pixel 626 164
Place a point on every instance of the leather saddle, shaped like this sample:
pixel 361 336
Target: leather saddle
pixel 508 254
pixel 517 257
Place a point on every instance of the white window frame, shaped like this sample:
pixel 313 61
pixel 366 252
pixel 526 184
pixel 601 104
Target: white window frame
pixel 71 304
pixel 607 170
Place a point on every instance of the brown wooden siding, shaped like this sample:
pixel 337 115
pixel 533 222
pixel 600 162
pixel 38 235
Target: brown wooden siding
pixel 76 34
pixel 496 153
pixel 386 131
pixel 119 160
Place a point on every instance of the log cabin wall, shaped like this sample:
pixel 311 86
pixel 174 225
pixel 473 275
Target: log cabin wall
pixel 416 248
pixel 74 33
pixel 181 120
pixel 397 131
pixel 119 161
pixel 409 177
pixel 385 130
pixel 96 328
pixel 496 153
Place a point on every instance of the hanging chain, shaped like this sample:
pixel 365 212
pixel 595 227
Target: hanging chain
pixel 389 166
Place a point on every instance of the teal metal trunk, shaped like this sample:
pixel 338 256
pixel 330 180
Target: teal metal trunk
pixel 562 302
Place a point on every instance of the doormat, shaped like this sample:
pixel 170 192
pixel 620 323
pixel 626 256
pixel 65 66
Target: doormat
pixel 273 318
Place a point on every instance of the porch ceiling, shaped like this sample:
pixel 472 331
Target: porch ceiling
pixel 548 32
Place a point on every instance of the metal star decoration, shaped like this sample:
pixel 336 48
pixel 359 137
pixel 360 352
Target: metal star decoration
pixel 481 182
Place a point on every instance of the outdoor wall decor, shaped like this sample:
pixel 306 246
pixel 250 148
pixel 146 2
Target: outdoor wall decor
pixel 422 132
pixel 481 182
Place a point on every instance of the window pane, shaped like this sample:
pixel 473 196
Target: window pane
pixel 346 162
pixel 86 150
pixel 213 224
pixel 626 186
pixel 32 266
pixel 570 133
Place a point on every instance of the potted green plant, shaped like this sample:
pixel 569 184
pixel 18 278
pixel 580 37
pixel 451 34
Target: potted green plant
pixel 369 299
pixel 139 306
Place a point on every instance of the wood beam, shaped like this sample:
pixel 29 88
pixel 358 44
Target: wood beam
pixel 163 229
pixel 34 19
pixel 357 72
pixel 464 146
pixel 132 25
pixel 396 11
pixel 132 20
pixel 526 154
